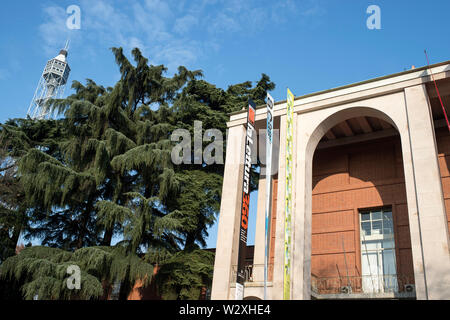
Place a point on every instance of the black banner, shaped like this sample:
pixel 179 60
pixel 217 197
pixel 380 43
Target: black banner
pixel 245 206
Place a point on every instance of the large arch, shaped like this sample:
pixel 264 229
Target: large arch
pixel 408 111
pixel 340 116
pixel 352 176
pixel 303 221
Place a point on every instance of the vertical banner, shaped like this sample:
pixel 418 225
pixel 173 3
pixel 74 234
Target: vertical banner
pixel 269 147
pixel 288 203
pixel 251 134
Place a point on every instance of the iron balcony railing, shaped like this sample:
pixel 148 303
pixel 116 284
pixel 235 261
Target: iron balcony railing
pixel 248 273
pixel 391 285
pixel 365 284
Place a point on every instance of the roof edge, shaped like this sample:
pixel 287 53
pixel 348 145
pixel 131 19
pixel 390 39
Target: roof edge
pixel 351 85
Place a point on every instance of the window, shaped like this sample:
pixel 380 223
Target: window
pixel 378 264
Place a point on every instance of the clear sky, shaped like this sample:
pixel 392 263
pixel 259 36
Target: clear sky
pixel 306 45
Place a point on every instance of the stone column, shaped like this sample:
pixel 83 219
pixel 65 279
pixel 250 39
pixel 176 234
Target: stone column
pixel 228 230
pixel 301 220
pixel 427 215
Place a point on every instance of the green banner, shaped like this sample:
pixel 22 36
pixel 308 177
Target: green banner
pixel 288 196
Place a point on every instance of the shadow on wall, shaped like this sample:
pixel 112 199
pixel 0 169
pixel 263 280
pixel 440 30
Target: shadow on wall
pixel 345 180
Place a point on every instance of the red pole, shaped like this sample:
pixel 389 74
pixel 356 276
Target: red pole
pixel 437 90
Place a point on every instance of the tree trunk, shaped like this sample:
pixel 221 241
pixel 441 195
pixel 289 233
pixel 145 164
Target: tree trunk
pixel 125 286
pixel 107 238
pixel 16 235
pixel 106 290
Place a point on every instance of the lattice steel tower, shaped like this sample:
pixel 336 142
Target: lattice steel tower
pixel 51 85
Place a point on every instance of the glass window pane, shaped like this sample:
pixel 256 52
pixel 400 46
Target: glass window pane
pixel 387 215
pixel 389 271
pixel 377 227
pixel 387 230
pixel 388 223
pixel 388 243
pixel 365 228
pixel 389 262
pixel 371 245
pixel 376 215
pixel 365 216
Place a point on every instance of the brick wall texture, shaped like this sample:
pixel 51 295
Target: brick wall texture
pixel 351 178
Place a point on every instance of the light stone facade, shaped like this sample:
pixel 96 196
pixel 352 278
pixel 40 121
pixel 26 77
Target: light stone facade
pixel 402 101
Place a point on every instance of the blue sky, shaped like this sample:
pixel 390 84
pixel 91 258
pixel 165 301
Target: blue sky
pixel 306 45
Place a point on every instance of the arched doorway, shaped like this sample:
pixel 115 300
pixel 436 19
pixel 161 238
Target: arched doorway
pixel 360 244
pixel 311 127
pixel 252 298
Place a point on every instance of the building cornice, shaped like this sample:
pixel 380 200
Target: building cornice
pixel 352 92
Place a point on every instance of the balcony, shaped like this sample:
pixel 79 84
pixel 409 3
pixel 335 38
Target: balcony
pixel 351 287
pixel 363 287
pixel 248 273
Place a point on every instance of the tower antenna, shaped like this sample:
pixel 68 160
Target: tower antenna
pixel 66 46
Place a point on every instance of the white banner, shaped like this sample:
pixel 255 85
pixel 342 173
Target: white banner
pixel 239 295
pixel 269 147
